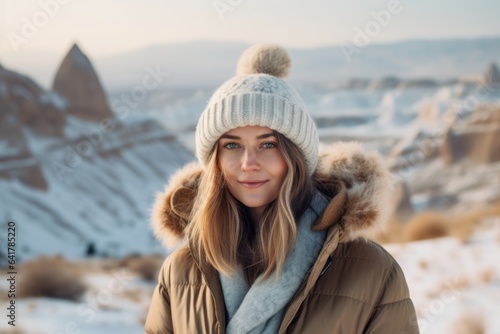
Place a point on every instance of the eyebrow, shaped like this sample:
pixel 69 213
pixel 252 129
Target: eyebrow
pixel 264 136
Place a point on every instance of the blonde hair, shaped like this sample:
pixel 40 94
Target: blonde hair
pixel 222 231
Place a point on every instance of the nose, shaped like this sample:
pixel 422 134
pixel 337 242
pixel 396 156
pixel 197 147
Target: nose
pixel 250 161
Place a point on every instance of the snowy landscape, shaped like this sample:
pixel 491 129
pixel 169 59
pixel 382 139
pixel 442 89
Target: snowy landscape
pixel 80 163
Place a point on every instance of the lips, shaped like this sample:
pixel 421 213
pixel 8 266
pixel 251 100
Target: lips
pixel 252 184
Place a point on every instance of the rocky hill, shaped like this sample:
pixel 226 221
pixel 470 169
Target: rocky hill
pixel 73 174
pixel 442 60
pixel 25 107
pixel 492 75
pixel 77 81
pixel 453 168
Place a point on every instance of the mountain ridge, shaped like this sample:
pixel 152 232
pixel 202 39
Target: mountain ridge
pixel 125 69
pixel 208 63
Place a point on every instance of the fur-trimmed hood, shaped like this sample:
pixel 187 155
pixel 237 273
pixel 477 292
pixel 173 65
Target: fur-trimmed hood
pixel 358 182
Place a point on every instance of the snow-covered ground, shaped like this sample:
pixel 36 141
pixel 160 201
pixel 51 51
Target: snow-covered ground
pixel 450 280
pixel 115 302
pixel 451 283
pixel 99 196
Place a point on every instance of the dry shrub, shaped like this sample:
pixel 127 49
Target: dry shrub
pixel 133 295
pixel 494 209
pixel 52 277
pixel 469 323
pixel 486 275
pixel 4 295
pixel 12 331
pixel 32 306
pixel 392 233
pixel 464 224
pixel 426 225
pixel 99 265
pixel 108 307
pixel 461 283
pixel 147 266
pixel 431 294
pixel 430 224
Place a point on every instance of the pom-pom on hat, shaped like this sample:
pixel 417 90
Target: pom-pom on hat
pixel 258 96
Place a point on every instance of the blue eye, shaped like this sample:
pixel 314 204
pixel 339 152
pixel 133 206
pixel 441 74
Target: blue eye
pixel 269 145
pixel 231 146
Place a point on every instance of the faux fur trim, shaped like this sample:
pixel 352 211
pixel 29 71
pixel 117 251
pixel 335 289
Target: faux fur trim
pixel 368 183
pixel 172 208
pixel 363 175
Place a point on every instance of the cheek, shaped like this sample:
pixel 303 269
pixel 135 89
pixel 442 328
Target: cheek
pixel 228 160
pixel 228 169
pixel 228 172
pixel 282 175
pixel 230 184
pixel 284 172
pixel 278 167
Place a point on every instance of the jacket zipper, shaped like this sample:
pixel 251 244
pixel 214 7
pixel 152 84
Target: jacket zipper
pixel 327 265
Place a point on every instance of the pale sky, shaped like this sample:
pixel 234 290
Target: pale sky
pixel 29 32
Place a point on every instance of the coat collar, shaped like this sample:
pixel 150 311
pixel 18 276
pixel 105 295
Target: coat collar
pixel 358 183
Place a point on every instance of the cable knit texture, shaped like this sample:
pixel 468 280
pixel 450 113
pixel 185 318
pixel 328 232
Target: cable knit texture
pixel 258 99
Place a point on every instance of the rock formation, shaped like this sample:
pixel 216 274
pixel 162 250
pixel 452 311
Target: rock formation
pixel 385 83
pixel 429 113
pixel 356 83
pixel 403 208
pixel 23 104
pixel 77 81
pixel 71 181
pixel 420 83
pixel 477 140
pixel 492 74
pixel 25 101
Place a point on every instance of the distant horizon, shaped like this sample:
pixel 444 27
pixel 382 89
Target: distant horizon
pixel 89 52
pixel 308 47
pixel 49 62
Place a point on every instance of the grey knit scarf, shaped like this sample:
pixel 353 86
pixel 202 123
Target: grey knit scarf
pixel 260 307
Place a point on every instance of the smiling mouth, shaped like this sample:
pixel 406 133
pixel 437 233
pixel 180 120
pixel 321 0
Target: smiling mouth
pixel 252 184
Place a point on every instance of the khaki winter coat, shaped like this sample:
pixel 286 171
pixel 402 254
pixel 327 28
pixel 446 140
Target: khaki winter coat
pixel 355 286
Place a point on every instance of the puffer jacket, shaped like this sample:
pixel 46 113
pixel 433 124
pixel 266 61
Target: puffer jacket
pixel 355 286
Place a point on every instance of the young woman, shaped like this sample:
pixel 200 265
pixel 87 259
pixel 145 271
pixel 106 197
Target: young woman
pixel 276 232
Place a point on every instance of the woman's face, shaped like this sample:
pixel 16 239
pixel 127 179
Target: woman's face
pixel 252 165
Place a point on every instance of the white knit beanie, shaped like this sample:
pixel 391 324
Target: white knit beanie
pixel 257 96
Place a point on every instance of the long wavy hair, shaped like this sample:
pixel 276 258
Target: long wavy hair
pixel 222 231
